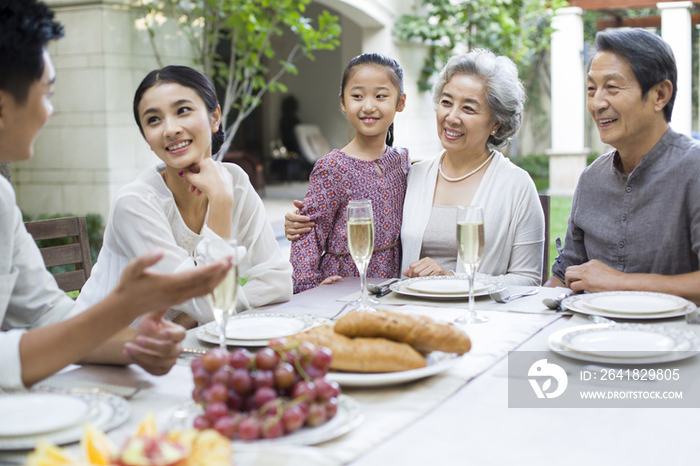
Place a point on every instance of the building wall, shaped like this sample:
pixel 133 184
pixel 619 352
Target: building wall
pixel 316 86
pixel 91 146
pixel 318 83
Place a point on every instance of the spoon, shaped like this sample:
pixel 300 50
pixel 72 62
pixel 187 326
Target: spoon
pixel 379 289
pixel 555 304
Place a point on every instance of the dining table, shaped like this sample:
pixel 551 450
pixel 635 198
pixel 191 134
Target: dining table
pixel 460 416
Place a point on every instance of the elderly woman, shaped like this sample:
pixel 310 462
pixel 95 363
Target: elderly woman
pixel 478 104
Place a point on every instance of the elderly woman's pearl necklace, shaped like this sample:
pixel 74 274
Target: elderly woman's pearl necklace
pixel 464 177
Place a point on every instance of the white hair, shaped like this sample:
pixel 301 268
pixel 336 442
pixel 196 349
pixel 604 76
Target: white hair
pixel 505 93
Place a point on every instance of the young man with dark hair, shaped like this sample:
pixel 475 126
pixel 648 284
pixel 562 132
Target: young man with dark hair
pixel 635 216
pixel 41 330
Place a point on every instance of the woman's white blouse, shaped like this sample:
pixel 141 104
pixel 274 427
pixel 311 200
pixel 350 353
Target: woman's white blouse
pixel 513 220
pixel 144 217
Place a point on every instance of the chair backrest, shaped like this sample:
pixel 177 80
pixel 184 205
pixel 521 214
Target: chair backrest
pixel 545 201
pixel 76 253
pixel 312 142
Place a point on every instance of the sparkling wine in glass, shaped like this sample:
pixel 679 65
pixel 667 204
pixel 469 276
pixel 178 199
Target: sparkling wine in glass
pixel 470 242
pixel 223 298
pixel 361 242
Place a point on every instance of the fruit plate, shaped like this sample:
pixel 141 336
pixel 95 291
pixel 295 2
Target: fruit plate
pixel 106 412
pixel 437 362
pixel 348 417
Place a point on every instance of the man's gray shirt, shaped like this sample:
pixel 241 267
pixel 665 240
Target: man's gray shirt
pixel 647 222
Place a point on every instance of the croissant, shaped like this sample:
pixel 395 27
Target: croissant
pixel 362 354
pixel 422 333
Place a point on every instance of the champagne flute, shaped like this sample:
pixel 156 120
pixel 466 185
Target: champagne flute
pixel 470 241
pixel 223 298
pixel 361 242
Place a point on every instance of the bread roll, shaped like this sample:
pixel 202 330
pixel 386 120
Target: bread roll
pixel 422 333
pixel 362 354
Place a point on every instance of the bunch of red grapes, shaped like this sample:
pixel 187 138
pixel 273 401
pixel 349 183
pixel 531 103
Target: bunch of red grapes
pixel 273 392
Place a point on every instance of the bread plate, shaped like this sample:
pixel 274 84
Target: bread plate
pixel 437 362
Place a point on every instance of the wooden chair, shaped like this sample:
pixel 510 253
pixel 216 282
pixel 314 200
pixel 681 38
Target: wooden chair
pixel 77 253
pixel 545 201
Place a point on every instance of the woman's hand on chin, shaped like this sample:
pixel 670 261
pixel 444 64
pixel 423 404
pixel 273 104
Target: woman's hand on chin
pixel 210 178
pixel 424 268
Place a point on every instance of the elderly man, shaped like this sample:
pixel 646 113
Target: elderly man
pixel 41 330
pixel 635 217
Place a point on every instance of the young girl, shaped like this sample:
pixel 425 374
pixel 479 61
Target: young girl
pixel 186 198
pixel 371 92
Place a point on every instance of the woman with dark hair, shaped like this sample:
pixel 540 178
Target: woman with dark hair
pixel 186 198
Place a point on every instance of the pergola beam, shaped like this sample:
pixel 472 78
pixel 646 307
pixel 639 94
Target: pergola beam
pixel 603 5
pixel 641 22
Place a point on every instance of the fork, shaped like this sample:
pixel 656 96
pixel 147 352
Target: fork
pixel 342 309
pixel 497 297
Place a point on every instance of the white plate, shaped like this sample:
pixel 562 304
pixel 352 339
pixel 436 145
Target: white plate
pixel 624 341
pixel 209 332
pixel 37 413
pixel 633 302
pixel 686 339
pixel 262 326
pixel 107 412
pixel 573 303
pixel 348 417
pixel 405 287
pixel 456 286
pixel 437 362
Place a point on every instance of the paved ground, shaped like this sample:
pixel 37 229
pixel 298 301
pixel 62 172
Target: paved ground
pixel 278 201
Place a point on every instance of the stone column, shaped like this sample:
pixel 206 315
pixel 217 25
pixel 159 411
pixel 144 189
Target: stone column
pixel 675 29
pixel 568 155
pixel 698 129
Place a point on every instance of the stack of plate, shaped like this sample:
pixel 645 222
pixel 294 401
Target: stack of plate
pixel 56 416
pixel 629 305
pixel 625 343
pixel 258 329
pixel 445 287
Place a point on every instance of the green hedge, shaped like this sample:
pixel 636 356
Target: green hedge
pixel 538 168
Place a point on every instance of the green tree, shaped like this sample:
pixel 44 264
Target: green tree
pixel 244 28
pixel 518 29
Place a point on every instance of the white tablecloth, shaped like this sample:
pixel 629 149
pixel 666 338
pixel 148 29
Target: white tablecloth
pixel 460 417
